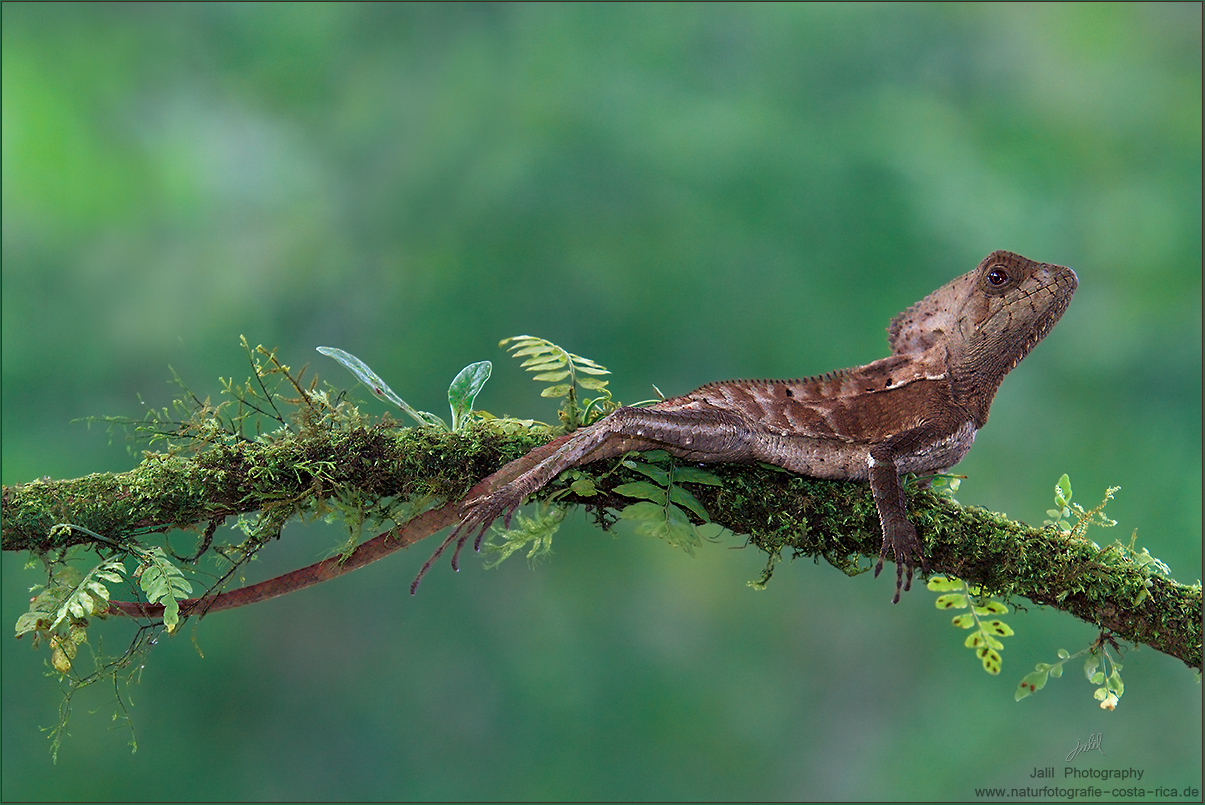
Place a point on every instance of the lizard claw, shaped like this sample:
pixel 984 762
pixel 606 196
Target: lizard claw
pixel 907 549
pixel 476 516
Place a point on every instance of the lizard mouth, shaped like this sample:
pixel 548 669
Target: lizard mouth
pixel 1060 288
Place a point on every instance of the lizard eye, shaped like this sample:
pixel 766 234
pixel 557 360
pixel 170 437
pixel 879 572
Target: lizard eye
pixel 997 276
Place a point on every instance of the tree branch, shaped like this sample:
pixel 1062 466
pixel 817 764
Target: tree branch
pixel 371 470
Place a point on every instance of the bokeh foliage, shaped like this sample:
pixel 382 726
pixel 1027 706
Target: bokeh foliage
pixel 684 193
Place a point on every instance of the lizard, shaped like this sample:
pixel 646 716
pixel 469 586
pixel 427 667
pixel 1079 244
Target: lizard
pixel 915 411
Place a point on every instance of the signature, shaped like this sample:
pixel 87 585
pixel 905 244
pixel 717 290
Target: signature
pixel 1080 748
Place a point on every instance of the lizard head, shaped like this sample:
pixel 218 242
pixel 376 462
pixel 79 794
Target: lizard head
pixel 985 322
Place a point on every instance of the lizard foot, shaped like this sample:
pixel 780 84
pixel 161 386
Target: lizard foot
pixel 907 548
pixel 476 516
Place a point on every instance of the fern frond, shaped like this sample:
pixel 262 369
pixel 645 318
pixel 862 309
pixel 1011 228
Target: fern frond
pixel 553 364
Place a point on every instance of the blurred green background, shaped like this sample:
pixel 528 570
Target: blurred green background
pixel 685 194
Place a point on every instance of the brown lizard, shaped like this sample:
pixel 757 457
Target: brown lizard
pixel 916 411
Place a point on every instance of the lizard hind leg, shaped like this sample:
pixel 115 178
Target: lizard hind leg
pixel 697 431
pixel 501 493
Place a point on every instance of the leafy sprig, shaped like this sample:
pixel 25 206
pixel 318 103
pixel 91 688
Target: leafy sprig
pixel 539 529
pixel 985 639
pixel 1100 667
pixel 69 599
pixel 661 510
pixel 163 583
pixel 1109 687
pixel 553 364
pixel 462 392
pixel 1114 553
pixel 1065 509
pixel 59 613
pixel 536 530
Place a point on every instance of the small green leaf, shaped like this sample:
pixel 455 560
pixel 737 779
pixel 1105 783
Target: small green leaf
pixel 696 475
pixel 464 390
pixel 592 383
pixel 537 349
pixel 673 527
pixel 100 591
pixel 979 639
pixel 1030 684
pixel 378 386
pixel 657 474
pixel 645 510
pixel 163 583
pixel 951 601
pixel 584 487
pixel 1062 491
pixel 556 391
pixel 998 627
pixel 171 615
pixel 642 490
pixel 68 577
pixel 684 498
pixel 28 622
pixel 965 621
pixel 990 659
pixel 550 377
pixel 943 584
pixel 542 364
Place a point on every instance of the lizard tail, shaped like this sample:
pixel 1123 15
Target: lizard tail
pixel 413 530
pixel 410 532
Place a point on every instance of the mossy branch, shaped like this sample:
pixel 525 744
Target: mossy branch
pixel 286 477
pixel 779 511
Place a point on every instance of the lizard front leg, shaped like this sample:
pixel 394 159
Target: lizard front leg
pixel 888 493
pixel 696 430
